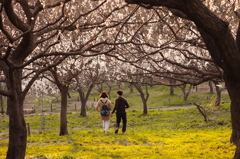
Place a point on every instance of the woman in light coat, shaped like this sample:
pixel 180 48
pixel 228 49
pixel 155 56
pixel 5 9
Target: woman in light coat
pixel 106 118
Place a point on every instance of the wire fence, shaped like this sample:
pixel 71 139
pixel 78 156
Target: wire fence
pixel 43 125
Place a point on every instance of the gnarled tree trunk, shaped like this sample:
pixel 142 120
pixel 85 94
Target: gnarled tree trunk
pixel 17 126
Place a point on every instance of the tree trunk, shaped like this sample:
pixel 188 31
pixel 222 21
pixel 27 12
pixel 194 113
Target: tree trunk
pixel 145 107
pixel 210 86
pixel 83 108
pixel 119 85
pixel 235 137
pixel 185 93
pixel 171 81
pixel 171 90
pixel 17 126
pixel 17 130
pixel 1 100
pixel 218 91
pixel 218 98
pixel 233 87
pixel 63 115
pixel 144 99
pixel 1 104
pixel 196 88
pixel 83 100
pixel 109 90
pixel 131 88
pixel 100 87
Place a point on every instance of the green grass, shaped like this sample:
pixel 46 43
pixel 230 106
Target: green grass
pixel 162 134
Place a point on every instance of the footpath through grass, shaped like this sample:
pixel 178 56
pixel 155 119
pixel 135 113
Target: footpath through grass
pixel 166 134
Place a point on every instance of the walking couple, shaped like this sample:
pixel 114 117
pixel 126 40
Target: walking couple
pixel 104 107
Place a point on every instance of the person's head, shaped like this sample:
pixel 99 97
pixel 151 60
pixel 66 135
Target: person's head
pixel 119 92
pixel 103 95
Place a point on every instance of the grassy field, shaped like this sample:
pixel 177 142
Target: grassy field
pixel 164 134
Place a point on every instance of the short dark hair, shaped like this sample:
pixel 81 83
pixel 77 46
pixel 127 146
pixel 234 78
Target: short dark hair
pixel 103 95
pixel 119 92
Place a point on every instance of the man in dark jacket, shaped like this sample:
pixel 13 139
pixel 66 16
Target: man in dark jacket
pixel 120 105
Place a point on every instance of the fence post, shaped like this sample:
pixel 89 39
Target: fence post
pixel 33 109
pixel 28 129
pixel 51 107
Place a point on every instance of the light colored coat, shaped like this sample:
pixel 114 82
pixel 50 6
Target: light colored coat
pixel 99 105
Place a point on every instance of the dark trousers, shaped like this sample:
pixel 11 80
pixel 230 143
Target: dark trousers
pixel 123 117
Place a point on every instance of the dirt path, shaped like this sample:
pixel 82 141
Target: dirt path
pixel 176 107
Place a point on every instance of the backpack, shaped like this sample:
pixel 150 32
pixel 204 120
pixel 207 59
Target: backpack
pixel 105 110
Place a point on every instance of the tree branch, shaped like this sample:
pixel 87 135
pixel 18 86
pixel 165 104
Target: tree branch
pixel 13 17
